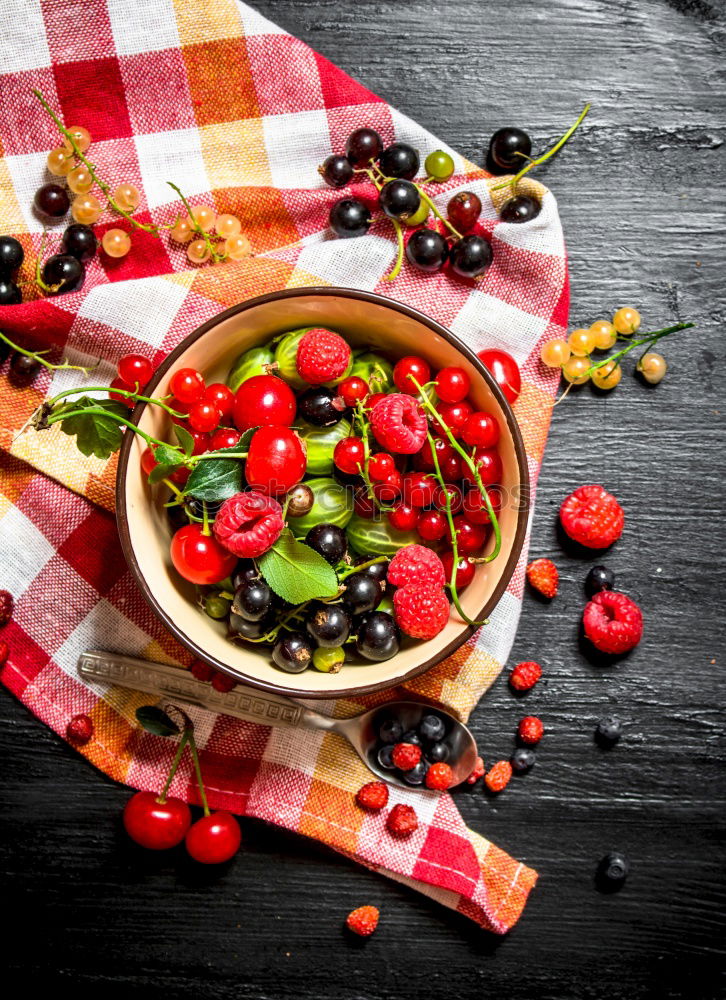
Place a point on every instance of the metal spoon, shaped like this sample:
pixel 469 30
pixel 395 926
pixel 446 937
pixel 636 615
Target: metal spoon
pixel 276 710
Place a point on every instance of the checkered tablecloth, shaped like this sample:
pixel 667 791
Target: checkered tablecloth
pixel 210 95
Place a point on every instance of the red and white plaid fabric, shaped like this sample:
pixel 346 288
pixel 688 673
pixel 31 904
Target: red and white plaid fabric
pixel 210 95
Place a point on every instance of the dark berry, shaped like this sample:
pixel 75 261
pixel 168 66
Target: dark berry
pixel 246 570
pixel 79 241
pixel 399 199
pixel 505 146
pixel 390 731
pixel 316 406
pixel 438 753
pixel 328 624
pixel 608 730
pixel 385 757
pixel 470 256
pixel 23 368
pixel 252 599
pixel 411 736
pixel 293 652
pixel 52 199
pixel 349 217
pixel 613 870
pixel 463 210
pixel 427 250
pixel 362 593
pixel 336 171
pixel 11 254
pixel 377 570
pixel 521 208
pixel 417 774
pixel 431 727
pixel 523 760
pixel 63 270
pixel 300 500
pixel 378 636
pixel 599 578
pixel 239 626
pixel 10 294
pixel 399 160
pixel 362 146
pixel 329 540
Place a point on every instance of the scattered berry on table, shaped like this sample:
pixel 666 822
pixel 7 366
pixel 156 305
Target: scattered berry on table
pixel 470 256
pixel 406 756
pixel 521 208
pixel 543 577
pixel 530 730
pixel 426 249
pixel 80 729
pixel 362 921
pixel 477 773
pixel 652 366
pixel 439 777
pixel 576 370
pixel 372 796
pixel 463 210
pixel 626 321
pixel 223 682
pixel 439 165
pixel 10 293
pixel 7 605
pixel 416 564
pixel 399 199
pixel 398 424
pixel 607 376
pixel 592 517
pixel 213 839
pixel 336 171
pixel 613 869
pixel 555 353
pixel 322 355
pixel 116 242
pixel 525 675
pixel 421 611
pixel 64 271
pixel 202 671
pixel 599 578
pixel 12 254
pixel 52 199
pixel 349 218
pixel 402 820
pixel 509 149
pixel 608 730
pixel 498 776
pixel 362 146
pixel 523 759
pixel 399 160
pixel 613 622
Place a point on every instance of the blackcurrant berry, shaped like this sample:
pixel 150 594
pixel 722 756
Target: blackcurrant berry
pixel 378 636
pixel 438 753
pixel 52 199
pixel 504 147
pixel 64 270
pixel 399 199
pixel 362 593
pixel 10 294
pixel 377 570
pixel 523 760
pixel 293 652
pixel 23 368
pixel 362 146
pixel 79 241
pixel 246 570
pixel 390 731
pixel 470 256
pixel 608 730
pixel 417 774
pixel 385 757
pixel 427 250
pixel 11 254
pixel 599 578
pixel 349 218
pixel 399 160
pixel 336 171
pixel 431 727
pixel 244 629
pixel 252 600
pixel 329 540
pixel 328 624
pixel 316 406
pixel 521 208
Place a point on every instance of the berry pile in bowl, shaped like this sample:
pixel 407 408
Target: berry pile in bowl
pixel 314 556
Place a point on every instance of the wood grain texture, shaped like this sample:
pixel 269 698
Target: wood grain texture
pixel 641 193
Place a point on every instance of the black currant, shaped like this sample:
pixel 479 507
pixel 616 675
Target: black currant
pixel 608 730
pixel 252 600
pixel 328 624
pixel 23 368
pixel 11 254
pixel 417 774
pixel 470 256
pixel 438 753
pixel 385 757
pixel 362 593
pixel 378 636
pixel 504 146
pixel 399 160
pixel 523 760
pixel 300 500
pixel 79 241
pixel 427 250
pixel 349 218
pixel 52 199
pixel 336 171
pixel 329 540
pixel 64 270
pixel 316 406
pixel 244 571
pixel 10 294
pixel 431 727
pixel 599 578
pixel 377 570
pixel 390 731
pixel 239 626
pixel 362 146
pixel 293 652
pixel 399 199
pixel 521 208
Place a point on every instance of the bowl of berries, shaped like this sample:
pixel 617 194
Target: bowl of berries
pixel 326 493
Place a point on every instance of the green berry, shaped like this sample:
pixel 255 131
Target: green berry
pixel 439 165
pixel 419 216
pixel 329 661
pixel 386 605
pixel 216 606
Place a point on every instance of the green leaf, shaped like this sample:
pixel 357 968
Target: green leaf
pixel 215 478
pixel 155 721
pixel 96 433
pixel 167 454
pixel 160 472
pixel 296 572
pixel 185 439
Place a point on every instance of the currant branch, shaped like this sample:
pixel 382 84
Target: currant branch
pixel 545 156
pixel 38 356
pixel 647 340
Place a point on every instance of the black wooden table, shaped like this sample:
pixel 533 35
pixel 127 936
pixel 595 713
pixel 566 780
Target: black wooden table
pixel 641 198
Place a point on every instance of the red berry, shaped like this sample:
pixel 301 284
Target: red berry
pixel 613 623
pixel 154 824
pixel 199 558
pixel 439 777
pixel 363 506
pixel 136 370
pixel 408 368
pixel 353 389
pixel 421 611
pixel 475 507
pixel 202 440
pixel 499 776
pixel 349 455
pixel 455 415
pixel 380 465
pixel 481 430
pixel 180 475
pixel 362 921
pixel 592 517
pixel 275 460
pixel 477 773
pixel 489 466
pixel 470 537
pixel 248 524
pixel 223 682
pixel 264 400
pixel 80 730
pixel 525 675
pixel 388 489
pixel 6 607
pixel 222 397
pixel 117 397
pixel 373 400
pixel 432 525
pixel 403 517
pixel 423 459
pixel 463 210
pixel 322 356
pixel 464 570
pixel 373 796
pixel 416 564
pixel 454 494
pixel 224 437
pixel 202 671
pixel 406 756
pixel 398 424
pixel 504 370
pixel 543 577
pixel 419 489
pixel 148 462
pixel 451 468
pixel 204 417
pixel 213 839
pixel 530 730
pixel 452 384
pixel 402 820
pixel 187 385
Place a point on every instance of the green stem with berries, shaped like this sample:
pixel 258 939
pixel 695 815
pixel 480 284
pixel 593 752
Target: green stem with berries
pixel 349 570
pixel 545 156
pixel 99 412
pixel 649 339
pixel 38 356
pixel 201 233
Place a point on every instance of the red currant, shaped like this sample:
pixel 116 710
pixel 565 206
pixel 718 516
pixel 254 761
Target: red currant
pixel 187 385
pixel 455 415
pixel 452 385
pixel 505 371
pixel 349 455
pixel 455 497
pixel 200 558
pixel 463 210
pixel 388 489
pixel 475 506
pixel 214 839
pixel 135 369
pixel 222 397
pixel 202 441
pixel 481 430
pixel 180 475
pixel 419 489
pixel 224 437
pixel 423 459
pixel 451 468
pixel 464 570
pixel 262 401
pixel 432 525
pixel 375 398
pixel 380 465
pixel 204 417
pixel 403 517
pixel 489 465
pixel 363 506
pixel 118 383
pixel 155 824
pixel 148 462
pixel 407 367
pixel 80 729
pixel 353 389
pixel 469 537
pixel 275 460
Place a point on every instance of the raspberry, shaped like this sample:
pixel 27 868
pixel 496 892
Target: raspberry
pixel 525 675
pixel 248 524
pixel 439 777
pixel 416 564
pixel 613 623
pixel 79 730
pixel 477 773
pixel 399 424
pixel 362 921
pixel 223 682
pixel 202 671
pixel 373 796
pixel 530 730
pixel 6 607
pixel 321 356
pixel 406 756
pixel 402 820
pixel 543 576
pixel 592 517
pixel 420 611
pixel 498 777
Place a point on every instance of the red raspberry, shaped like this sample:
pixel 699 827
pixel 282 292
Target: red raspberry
pixel 223 682
pixel 530 730
pixel 402 820
pixel 439 777
pixel 498 777
pixel 399 424
pixel 477 773
pixel 202 671
pixel 362 921
pixel 543 576
pixel 6 607
pixel 373 796
pixel 406 756
pixel 79 730
pixel 421 611
pixel 592 517
pixel 321 356
pixel 416 564
pixel 613 623
pixel 525 675
pixel 248 524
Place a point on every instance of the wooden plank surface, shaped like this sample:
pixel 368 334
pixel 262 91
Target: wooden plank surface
pixel 641 194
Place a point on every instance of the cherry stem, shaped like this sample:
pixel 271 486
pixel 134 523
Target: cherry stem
pixel 649 339
pixel 197 769
pixel 216 257
pixel 174 765
pixel 205 518
pixel 545 156
pixel 38 356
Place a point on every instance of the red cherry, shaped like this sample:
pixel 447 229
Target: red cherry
pixel 481 430
pixel 148 462
pixel 135 369
pixel 423 460
pixel 202 441
pixel 225 437
pixel 155 824
pixel 407 367
pixel 199 557
pixel 489 465
pixel 262 401
pixel 176 404
pixel 222 397
pixel 353 389
pixel 455 415
pixel 451 467
pixel 464 570
pixel 403 517
pixel 214 839
pixel 419 489
pixel 455 497
pixel 463 210
pixel 432 525
pixel 180 475
pixel 275 460
pixel 204 417
pixel 363 506
pixel 475 507
pixel 375 398
pixel 388 489
pixel 118 383
pixel 469 537
pixel 349 455
pixel 505 371
pixel 380 465
pixel 187 385
pixel 452 384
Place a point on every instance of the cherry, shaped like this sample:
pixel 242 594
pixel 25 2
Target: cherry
pixel 388 489
pixel 204 417
pixel 202 441
pixel 455 415
pixel 469 537
pixel 222 397
pixel 423 459
pixel 451 468
pixel 464 570
pixel 118 383
pixel 262 401
pixel 349 455
pixel 419 489
pixel 452 384
pixel 224 437
pixel 380 465
pixel 187 385
pixel 214 838
pixel 481 430
pixel 403 517
pixel 363 506
pixel 463 210
pixel 275 460
pixel 432 525
pixel 200 558
pixel 148 462
pixel 505 371
pixel 155 823
pixel 180 475
pixel 135 369
pixel 475 506
pixel 456 499
pixel 489 465
pixel 407 367
pixel 353 389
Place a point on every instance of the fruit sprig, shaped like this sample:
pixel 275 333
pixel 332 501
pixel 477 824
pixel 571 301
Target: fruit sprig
pixel 39 358
pixel 537 161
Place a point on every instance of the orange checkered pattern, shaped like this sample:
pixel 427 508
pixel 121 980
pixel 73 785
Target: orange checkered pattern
pixel 239 114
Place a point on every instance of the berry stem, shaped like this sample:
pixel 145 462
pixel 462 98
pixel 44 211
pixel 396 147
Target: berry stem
pixel 197 769
pixel 98 411
pixel 437 213
pixel 48 289
pixel 174 766
pixel 121 392
pixel 545 156
pixel 649 339
pixel 396 269
pixel 38 356
pixel 348 570
pixel 201 233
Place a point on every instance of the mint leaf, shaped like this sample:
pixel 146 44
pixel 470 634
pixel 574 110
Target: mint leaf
pixel 215 478
pixel 185 439
pixel 296 572
pixel 97 433
pixel 155 720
